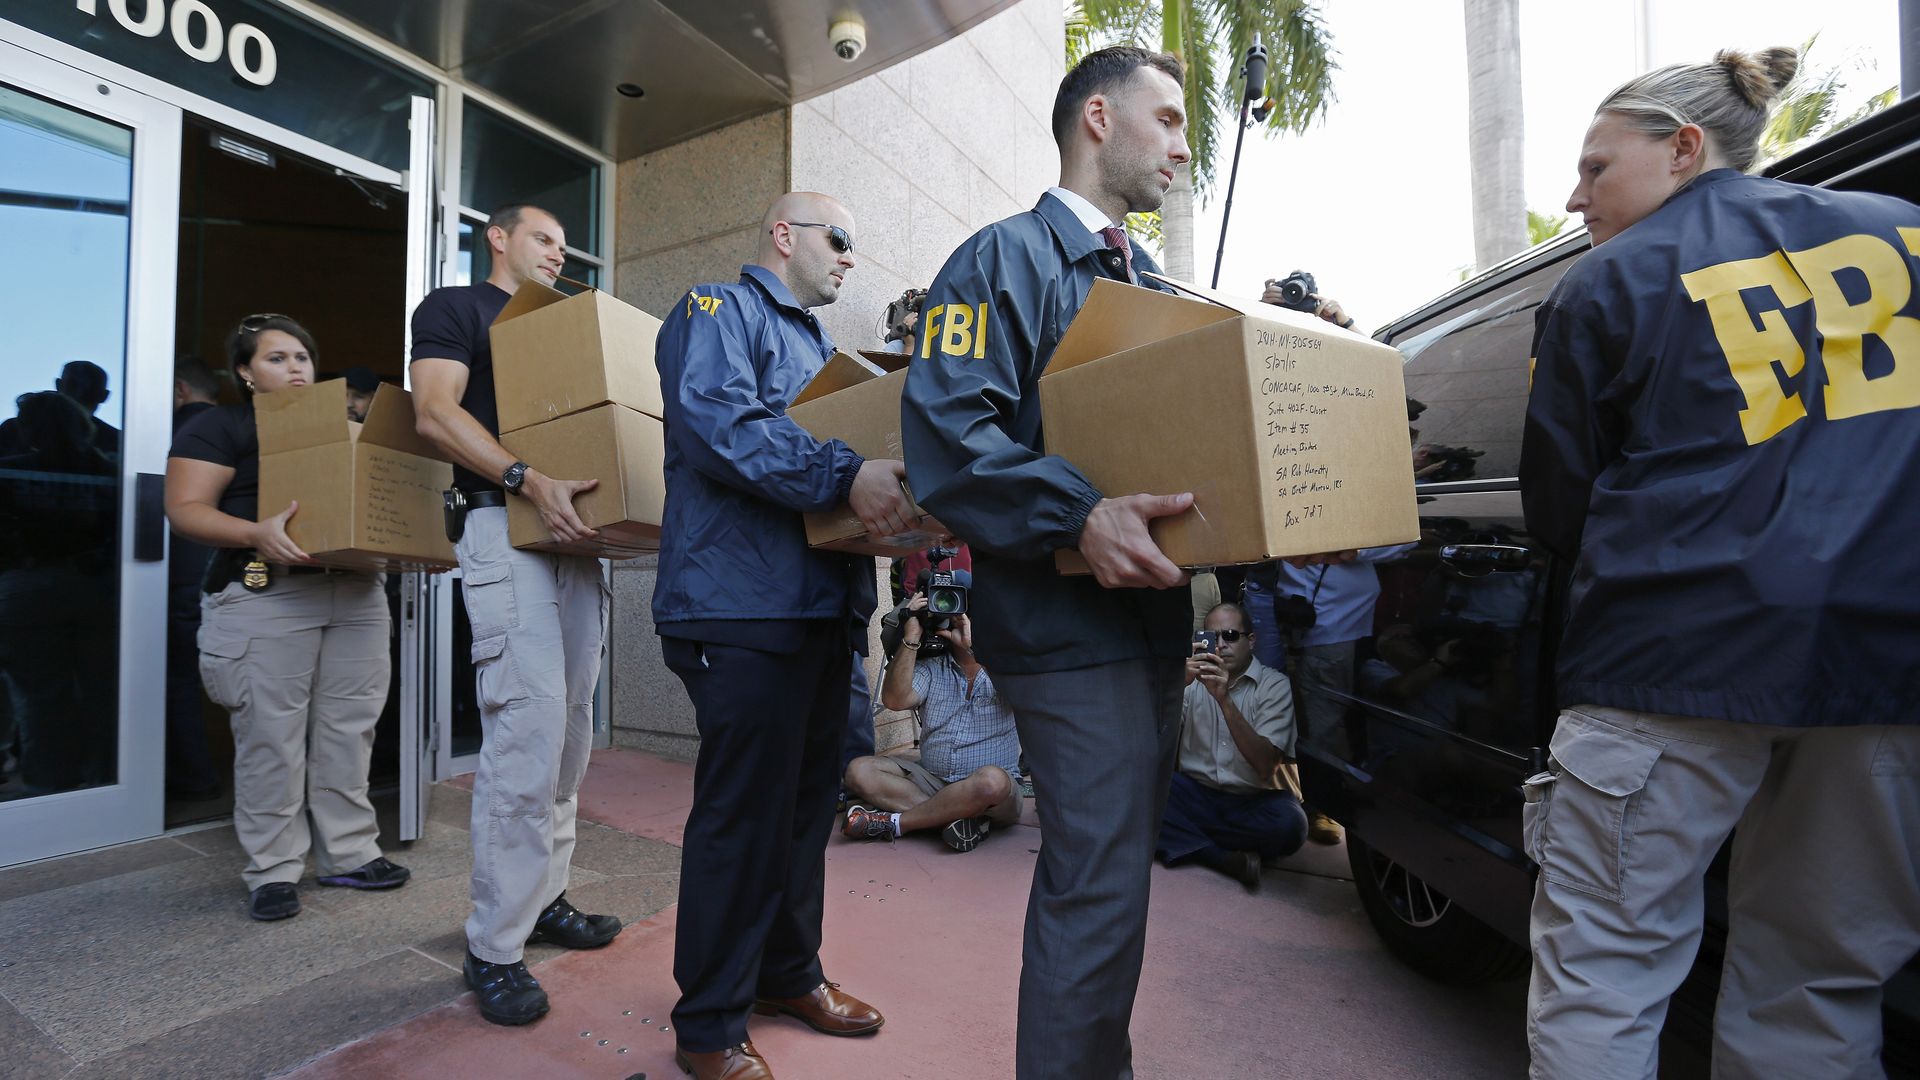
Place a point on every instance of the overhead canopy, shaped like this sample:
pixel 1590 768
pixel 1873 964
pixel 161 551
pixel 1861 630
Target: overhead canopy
pixel 702 64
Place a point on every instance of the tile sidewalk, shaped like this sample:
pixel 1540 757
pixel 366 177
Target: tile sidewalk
pixel 1290 982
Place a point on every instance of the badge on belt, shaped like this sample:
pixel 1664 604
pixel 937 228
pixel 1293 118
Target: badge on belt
pixel 254 576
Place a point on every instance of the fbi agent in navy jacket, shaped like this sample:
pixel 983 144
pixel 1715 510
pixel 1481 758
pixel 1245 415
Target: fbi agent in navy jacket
pixel 1090 665
pixel 757 626
pixel 1724 437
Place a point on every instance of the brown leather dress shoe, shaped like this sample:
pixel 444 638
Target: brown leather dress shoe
pixel 826 1010
pixel 741 1062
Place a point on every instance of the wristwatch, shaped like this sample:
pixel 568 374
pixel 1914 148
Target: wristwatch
pixel 515 475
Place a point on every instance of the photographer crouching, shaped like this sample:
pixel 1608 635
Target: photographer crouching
pixel 1236 731
pixel 966 779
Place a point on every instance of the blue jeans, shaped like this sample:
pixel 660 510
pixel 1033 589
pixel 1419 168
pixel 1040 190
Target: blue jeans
pixel 1268 823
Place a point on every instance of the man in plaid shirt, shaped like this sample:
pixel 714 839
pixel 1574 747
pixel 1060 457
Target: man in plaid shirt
pixel 966 778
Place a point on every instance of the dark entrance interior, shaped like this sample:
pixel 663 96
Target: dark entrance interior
pixel 265 231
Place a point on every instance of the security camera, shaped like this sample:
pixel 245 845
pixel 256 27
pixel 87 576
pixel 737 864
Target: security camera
pixel 849 38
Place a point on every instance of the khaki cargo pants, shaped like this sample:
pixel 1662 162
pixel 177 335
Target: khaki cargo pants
pixel 1823 894
pixel 303 668
pixel 539 622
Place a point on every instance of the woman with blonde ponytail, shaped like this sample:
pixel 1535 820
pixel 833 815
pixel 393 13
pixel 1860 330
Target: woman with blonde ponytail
pixel 1723 438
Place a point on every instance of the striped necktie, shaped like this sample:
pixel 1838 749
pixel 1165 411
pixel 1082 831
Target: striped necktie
pixel 1117 238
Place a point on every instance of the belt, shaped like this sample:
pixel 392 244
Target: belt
pixel 477 500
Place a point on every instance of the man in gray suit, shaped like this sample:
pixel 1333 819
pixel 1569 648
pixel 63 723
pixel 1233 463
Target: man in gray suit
pixel 1091 666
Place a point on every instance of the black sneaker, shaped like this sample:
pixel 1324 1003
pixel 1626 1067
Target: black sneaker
pixel 965 834
pixel 507 994
pixel 274 900
pixel 567 926
pixel 378 874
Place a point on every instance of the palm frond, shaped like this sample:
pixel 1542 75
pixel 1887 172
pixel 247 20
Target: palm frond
pixel 1211 38
pixel 1805 110
pixel 1148 228
pixel 1542 227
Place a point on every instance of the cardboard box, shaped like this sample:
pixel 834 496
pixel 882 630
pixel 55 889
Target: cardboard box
pixel 859 404
pixel 370 494
pixel 554 355
pixel 1290 432
pixel 626 451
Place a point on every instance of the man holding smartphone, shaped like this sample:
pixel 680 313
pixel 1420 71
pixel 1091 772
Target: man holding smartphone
pixel 1225 810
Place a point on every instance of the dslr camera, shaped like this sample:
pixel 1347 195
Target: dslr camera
pixel 909 303
pixel 1296 291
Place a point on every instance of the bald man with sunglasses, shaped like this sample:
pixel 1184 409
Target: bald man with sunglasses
pixel 760 629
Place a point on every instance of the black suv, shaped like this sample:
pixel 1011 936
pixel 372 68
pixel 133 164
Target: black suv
pixel 1430 790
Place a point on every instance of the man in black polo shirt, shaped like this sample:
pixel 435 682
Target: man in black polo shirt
pixel 538 623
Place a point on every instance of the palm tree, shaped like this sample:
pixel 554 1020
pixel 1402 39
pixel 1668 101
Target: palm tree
pixel 1210 37
pixel 1495 129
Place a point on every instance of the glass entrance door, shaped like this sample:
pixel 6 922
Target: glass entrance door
pixel 89 195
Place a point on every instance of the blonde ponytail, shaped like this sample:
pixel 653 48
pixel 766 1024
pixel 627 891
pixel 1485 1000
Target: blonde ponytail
pixel 1729 99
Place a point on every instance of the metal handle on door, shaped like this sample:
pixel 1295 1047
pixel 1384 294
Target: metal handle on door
pixel 1476 560
pixel 149 517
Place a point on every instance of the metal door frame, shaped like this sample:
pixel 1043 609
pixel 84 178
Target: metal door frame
pixel 134 805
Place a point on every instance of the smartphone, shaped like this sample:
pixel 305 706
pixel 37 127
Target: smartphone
pixel 1206 641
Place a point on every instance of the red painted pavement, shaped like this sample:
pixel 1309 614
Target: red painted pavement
pixel 1287 983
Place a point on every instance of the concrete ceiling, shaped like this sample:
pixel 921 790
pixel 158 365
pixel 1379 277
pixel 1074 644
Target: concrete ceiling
pixel 703 64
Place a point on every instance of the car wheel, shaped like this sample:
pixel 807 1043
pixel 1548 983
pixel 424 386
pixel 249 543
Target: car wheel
pixel 1425 928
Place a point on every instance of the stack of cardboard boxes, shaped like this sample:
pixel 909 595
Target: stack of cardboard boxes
pixel 1291 433
pixel 579 399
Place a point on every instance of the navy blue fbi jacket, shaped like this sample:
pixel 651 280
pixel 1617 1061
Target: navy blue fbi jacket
pixel 733 550
pixel 1725 426
pixel 976 457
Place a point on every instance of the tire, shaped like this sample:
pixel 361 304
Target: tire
pixel 1425 929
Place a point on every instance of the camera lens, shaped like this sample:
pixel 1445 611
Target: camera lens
pixel 943 602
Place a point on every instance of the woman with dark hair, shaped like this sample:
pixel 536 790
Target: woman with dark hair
pixel 297 653
pixel 1723 437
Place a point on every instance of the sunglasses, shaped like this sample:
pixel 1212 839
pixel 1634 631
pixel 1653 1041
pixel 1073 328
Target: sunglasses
pixel 836 235
pixel 255 322
pixel 1233 635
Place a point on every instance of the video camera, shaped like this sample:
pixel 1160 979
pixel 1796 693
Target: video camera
pixel 909 303
pixel 946 593
pixel 1296 291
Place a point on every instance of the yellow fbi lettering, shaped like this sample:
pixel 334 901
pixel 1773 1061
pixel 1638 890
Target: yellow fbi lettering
pixel 1814 275
pixel 961 330
pixel 708 304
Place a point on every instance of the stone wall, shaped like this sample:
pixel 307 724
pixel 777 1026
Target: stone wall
pixel 927 151
pixel 691 213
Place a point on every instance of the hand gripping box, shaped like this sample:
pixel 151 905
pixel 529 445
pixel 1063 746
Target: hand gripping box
pixel 859 403
pixel 622 448
pixel 369 493
pixel 1290 432
pixel 555 355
